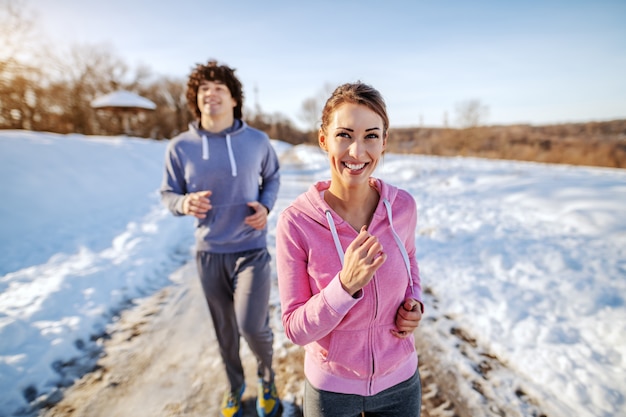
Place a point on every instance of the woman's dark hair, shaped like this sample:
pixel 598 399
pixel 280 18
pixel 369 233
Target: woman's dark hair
pixel 211 71
pixel 356 93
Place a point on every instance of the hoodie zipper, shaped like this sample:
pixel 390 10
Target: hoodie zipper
pixel 371 382
pixel 405 257
pixel 340 253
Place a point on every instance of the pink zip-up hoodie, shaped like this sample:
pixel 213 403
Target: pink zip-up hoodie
pixel 348 341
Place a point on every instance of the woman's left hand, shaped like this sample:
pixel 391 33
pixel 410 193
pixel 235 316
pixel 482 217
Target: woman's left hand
pixel 407 318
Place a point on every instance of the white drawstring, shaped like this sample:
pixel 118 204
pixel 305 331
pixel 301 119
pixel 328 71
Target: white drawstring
pixel 339 249
pixel 333 229
pixel 405 255
pixel 205 147
pixel 231 156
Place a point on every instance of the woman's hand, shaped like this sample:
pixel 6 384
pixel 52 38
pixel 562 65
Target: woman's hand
pixel 407 318
pixel 362 259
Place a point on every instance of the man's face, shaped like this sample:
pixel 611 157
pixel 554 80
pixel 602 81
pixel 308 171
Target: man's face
pixel 214 99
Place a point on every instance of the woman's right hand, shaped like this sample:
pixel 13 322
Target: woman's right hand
pixel 362 259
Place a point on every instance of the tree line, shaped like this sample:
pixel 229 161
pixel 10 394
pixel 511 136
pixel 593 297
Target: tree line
pixel 45 91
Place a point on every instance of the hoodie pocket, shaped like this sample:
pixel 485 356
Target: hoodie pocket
pixel 390 351
pixel 348 354
pixel 227 221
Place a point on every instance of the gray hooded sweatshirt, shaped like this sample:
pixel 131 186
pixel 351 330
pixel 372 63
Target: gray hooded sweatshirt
pixel 239 165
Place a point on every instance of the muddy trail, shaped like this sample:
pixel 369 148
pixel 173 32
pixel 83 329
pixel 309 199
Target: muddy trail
pixel 161 359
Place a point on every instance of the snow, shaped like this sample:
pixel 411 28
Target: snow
pixel 122 98
pixel 528 259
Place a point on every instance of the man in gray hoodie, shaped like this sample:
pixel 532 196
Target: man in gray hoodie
pixel 226 174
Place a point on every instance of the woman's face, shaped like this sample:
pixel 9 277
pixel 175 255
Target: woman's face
pixel 355 141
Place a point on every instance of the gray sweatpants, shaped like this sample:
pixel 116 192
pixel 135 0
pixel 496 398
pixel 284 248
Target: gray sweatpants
pixel 237 288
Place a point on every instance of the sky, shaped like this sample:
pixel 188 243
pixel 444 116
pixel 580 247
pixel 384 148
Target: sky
pixel 537 62
pixel 527 259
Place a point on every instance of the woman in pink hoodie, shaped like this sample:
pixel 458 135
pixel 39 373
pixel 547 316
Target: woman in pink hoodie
pixel 347 272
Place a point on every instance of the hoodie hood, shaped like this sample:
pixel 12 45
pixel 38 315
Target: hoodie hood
pixel 312 202
pixel 236 128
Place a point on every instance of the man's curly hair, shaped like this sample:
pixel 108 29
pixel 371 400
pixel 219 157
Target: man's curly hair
pixel 211 71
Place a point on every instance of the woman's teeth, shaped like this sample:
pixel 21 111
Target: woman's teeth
pixel 354 167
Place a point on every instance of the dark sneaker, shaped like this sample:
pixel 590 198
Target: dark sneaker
pixel 231 404
pixel 267 401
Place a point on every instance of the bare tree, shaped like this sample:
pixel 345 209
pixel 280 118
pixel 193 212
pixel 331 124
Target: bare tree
pixel 89 71
pixel 42 89
pixel 471 113
pixel 16 31
pixel 310 113
pixel 311 110
pixel 171 114
pixel 16 79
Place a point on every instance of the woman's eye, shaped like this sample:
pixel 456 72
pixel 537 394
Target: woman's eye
pixel 372 136
pixel 343 135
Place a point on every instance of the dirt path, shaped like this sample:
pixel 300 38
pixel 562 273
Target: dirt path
pixel 162 360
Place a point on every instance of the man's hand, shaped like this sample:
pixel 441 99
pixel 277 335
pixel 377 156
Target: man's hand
pixel 407 318
pixel 197 204
pixel 258 220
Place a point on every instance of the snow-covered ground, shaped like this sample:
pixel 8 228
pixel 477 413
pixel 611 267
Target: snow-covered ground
pixel 529 260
